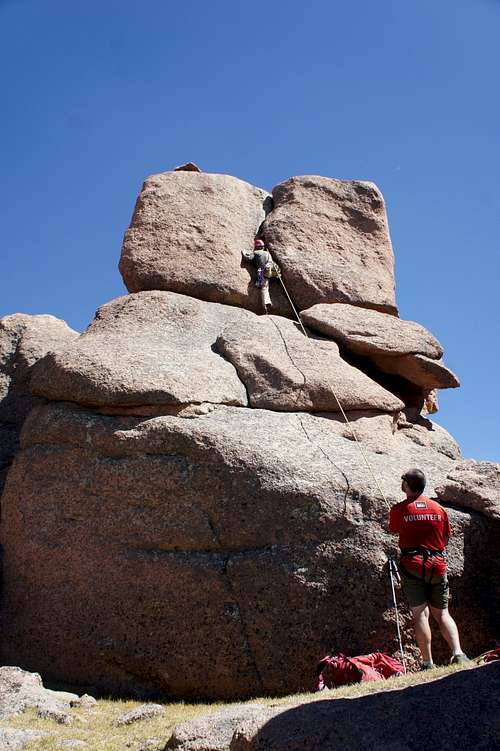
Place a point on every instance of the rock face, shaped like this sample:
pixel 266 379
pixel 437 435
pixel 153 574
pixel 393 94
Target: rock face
pixel 474 485
pixel 188 233
pixel 189 511
pixel 23 340
pixel 176 548
pixel 332 241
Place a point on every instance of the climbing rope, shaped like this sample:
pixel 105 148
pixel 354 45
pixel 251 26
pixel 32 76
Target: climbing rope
pixel 348 423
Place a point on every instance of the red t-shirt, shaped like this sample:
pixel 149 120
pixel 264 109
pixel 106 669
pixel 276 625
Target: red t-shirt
pixel 420 523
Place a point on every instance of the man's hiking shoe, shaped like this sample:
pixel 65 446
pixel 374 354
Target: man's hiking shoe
pixel 427 666
pixel 459 659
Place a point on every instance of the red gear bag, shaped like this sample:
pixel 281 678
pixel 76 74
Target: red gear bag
pixel 341 670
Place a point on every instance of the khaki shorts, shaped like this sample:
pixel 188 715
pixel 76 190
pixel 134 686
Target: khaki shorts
pixel 417 592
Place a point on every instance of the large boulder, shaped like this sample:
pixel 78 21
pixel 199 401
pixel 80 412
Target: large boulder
pixel 201 556
pixel 24 339
pixel 370 332
pixel 473 485
pixel 149 348
pixel 332 240
pixel 188 233
pixel 283 369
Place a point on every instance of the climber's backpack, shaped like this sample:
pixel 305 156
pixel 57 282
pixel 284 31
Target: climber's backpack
pixel 340 670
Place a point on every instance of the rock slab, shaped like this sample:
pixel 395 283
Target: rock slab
pixel 473 485
pixel 149 348
pixel 401 719
pixel 370 332
pixel 283 369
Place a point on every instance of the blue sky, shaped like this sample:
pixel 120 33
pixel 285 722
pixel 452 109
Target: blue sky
pixel 98 95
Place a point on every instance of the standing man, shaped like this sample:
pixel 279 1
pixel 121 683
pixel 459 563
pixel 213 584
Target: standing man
pixel 424 530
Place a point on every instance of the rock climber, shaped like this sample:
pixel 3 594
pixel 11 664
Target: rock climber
pixel 424 530
pixel 266 269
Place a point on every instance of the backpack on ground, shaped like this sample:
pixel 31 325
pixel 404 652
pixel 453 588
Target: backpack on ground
pixel 341 670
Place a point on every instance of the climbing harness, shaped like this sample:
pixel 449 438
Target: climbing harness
pixel 266 270
pixel 435 557
pixel 394 576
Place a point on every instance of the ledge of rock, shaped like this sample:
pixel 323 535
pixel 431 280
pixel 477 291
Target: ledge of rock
pixel 474 485
pixel 370 332
pixel 418 369
pixel 150 348
pixel 332 240
pixel 284 370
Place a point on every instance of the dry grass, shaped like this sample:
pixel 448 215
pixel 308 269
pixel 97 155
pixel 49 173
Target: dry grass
pixel 97 728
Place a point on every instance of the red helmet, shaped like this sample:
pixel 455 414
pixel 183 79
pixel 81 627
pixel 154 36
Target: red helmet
pixel 258 243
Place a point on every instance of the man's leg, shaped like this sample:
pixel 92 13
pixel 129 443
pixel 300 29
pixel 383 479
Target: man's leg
pixel 448 628
pixel 423 635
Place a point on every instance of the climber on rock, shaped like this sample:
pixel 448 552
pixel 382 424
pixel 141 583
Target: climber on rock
pixel 424 530
pixel 266 269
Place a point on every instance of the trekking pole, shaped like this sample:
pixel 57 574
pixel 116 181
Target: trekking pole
pixel 393 574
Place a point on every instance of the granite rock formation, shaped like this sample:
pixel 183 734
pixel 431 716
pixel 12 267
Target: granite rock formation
pixel 187 498
pixel 474 485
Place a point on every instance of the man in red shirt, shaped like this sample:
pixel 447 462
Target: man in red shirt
pixel 424 530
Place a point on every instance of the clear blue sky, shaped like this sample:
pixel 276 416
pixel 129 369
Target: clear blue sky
pixel 98 95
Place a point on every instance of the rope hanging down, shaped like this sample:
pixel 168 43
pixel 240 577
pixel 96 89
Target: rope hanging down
pixel 348 423
pixel 393 572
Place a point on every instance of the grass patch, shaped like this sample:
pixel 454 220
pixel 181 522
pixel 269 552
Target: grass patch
pixel 97 726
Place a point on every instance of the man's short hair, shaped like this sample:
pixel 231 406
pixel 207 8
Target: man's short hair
pixel 415 479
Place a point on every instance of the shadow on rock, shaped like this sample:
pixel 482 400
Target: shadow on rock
pixel 435 716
